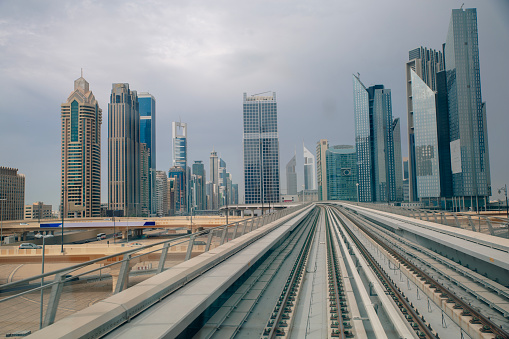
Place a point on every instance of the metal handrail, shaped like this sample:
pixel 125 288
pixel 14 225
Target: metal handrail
pixel 131 251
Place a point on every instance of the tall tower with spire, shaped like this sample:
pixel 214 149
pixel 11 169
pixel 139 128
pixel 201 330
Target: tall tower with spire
pixel 81 153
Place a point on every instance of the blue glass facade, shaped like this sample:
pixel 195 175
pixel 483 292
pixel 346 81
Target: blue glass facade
pixel 147 107
pixel 467 113
pixel 341 173
pixel 363 141
pixel 374 142
pixel 261 149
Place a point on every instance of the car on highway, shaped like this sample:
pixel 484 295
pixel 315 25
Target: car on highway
pixel 135 244
pixel 29 246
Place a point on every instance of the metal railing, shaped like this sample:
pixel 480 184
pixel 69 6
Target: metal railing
pixel 487 224
pixel 67 290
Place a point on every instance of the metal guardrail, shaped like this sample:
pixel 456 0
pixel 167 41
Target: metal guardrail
pixel 88 278
pixel 492 225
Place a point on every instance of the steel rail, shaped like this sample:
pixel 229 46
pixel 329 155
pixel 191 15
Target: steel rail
pixel 275 329
pixel 488 325
pixel 402 302
pixel 293 239
pixel 333 278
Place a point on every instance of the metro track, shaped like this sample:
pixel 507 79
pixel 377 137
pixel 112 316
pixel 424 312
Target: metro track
pixel 486 327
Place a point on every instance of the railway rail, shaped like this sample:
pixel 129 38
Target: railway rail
pixel 280 322
pixel 486 325
pixel 417 322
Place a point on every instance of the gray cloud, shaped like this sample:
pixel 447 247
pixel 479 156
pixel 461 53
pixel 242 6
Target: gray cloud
pixel 198 57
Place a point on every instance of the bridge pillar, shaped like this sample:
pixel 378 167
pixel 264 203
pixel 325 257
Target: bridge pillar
pixel 242 213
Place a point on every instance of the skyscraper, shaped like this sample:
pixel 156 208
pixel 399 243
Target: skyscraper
pixel 124 150
pixel 161 194
pixel 12 189
pixel 214 180
pixel 261 149
pixel 81 153
pixel 341 173
pixel 467 112
pixel 309 170
pixel 428 126
pixel 143 209
pixel 179 144
pixel 179 176
pixel 321 165
pixel 374 140
pixel 398 160
pixel 199 172
pixel 147 104
pixel 291 176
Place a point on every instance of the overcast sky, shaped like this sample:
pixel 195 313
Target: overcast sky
pixel 198 57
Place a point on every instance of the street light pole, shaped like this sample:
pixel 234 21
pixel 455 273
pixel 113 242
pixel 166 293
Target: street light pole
pixel 505 191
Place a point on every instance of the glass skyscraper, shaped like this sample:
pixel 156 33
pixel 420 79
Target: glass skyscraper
pixel 428 131
pixel 261 149
pixel 147 104
pixel 179 134
pixel 341 172
pixel 467 113
pixel 309 170
pixel 374 140
pixel 291 176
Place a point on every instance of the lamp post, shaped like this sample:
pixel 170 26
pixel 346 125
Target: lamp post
pixel 42 272
pixel 226 200
pixel 2 221
pixel 505 191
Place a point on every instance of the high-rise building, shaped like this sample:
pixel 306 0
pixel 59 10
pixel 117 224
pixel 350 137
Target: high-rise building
pixel 143 208
pixel 291 176
pixel 161 194
pixel 235 194
pixel 341 173
pixel 147 104
pixel 199 172
pixel 81 153
pixel 179 145
pixel 321 165
pixel 124 150
pixel 374 143
pixel 12 194
pixel 468 132
pixel 179 175
pixel 214 180
pixel 398 161
pixel 309 170
pixel 406 188
pixel 428 126
pixel 261 149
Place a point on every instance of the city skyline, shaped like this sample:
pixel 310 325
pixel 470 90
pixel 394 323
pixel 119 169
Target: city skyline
pixel 276 66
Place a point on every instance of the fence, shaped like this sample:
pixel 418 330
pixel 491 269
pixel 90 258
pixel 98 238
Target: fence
pixel 36 302
pixel 493 225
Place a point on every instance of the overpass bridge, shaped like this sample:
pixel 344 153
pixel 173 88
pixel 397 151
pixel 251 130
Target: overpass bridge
pixel 317 270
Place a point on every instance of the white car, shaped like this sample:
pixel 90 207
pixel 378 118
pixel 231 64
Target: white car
pixel 29 246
